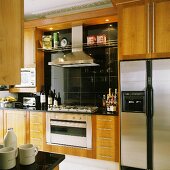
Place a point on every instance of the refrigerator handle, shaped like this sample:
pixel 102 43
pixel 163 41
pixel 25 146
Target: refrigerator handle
pixel 149 102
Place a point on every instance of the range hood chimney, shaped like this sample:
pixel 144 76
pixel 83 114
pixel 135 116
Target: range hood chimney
pixel 77 58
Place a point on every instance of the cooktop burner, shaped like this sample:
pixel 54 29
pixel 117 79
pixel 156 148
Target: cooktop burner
pixel 82 109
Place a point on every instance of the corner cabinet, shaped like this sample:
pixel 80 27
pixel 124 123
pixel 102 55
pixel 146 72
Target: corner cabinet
pixel 144 29
pixel 16 119
pixel 33 58
pixel 11 41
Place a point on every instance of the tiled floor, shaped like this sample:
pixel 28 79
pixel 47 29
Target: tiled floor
pixel 79 163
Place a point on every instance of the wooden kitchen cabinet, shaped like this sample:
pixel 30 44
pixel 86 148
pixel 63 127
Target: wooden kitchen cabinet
pixel 1 126
pixel 11 41
pixel 32 58
pixel 16 119
pixel 107 140
pixel 144 29
pixel 36 129
pixel 29 48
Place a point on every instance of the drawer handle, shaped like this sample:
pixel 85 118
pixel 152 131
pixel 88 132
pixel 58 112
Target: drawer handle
pixel 35 123
pixel 104 128
pixel 37 139
pixel 104 147
pixel 105 138
pixel 104 156
pixel 35 131
pixel 105 120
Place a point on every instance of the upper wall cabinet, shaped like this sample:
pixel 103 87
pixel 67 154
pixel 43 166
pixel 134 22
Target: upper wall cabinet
pixel 11 44
pixel 144 29
pixel 29 47
pixel 33 58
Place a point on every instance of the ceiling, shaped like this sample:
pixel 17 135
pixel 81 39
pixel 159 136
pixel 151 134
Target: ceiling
pixel 35 9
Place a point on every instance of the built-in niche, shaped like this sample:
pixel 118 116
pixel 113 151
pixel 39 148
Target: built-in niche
pixel 86 85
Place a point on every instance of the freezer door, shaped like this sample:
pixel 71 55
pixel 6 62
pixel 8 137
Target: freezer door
pixel 133 75
pixel 133 140
pixel 161 118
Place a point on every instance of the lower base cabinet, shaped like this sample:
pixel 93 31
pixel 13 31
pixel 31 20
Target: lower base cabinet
pixel 16 119
pixel 107 138
pixel 37 129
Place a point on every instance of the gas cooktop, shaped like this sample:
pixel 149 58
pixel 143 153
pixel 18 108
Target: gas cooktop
pixel 81 109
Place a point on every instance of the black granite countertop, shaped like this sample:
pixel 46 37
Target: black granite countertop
pixel 44 161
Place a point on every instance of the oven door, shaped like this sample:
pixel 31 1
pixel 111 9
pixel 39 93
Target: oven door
pixel 66 132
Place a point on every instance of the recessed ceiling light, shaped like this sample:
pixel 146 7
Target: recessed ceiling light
pixel 107 20
pixel 51 28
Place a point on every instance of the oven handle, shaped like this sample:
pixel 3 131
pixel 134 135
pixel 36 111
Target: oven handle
pixel 68 124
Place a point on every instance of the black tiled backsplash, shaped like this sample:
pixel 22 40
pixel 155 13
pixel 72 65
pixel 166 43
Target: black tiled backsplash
pixel 86 85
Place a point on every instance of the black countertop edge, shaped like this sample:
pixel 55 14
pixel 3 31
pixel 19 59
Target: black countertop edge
pixel 100 111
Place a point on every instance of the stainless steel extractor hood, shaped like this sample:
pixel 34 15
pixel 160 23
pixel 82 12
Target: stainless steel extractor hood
pixel 77 58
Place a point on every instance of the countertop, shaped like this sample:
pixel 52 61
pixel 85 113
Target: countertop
pixel 100 111
pixel 44 161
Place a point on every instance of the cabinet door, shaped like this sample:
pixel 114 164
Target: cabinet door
pixel 133 42
pixel 11 41
pixel 1 126
pixel 29 47
pixel 161 28
pixel 17 120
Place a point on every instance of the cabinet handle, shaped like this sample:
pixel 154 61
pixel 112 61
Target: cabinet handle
pixel 153 28
pixel 105 138
pixel 148 26
pixel 104 128
pixel 105 120
pixel 104 147
pixel 104 156
pixel 35 131
pixel 35 123
pixel 39 139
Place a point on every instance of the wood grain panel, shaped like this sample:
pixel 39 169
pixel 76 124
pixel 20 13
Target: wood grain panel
pixel 162 27
pixel 133 31
pixel 11 41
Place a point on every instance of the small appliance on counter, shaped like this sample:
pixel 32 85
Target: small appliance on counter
pixel 31 102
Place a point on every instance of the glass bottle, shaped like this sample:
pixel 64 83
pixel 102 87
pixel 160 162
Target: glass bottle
pixel 43 99
pixel 59 99
pixel 50 100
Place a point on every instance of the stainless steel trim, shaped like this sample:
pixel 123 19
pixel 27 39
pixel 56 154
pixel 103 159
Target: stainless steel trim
pixel 68 124
pixel 77 58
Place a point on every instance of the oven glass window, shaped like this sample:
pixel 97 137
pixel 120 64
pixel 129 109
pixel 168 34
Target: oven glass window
pixel 71 131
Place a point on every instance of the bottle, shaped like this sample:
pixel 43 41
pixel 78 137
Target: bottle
pixel 104 101
pixel 43 99
pixel 50 100
pixel 59 99
pixel 55 101
pixel 10 139
pixel 55 40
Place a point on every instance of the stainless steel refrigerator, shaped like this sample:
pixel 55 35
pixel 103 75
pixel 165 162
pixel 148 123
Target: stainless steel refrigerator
pixel 145 114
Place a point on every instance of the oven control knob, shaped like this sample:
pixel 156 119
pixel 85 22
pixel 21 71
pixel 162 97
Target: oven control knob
pixel 80 118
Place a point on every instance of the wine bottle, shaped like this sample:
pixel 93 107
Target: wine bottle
pixel 50 100
pixel 55 101
pixel 59 99
pixel 43 99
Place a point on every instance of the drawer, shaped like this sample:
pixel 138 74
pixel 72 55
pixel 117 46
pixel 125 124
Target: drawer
pixel 105 142
pixel 105 132
pixel 37 142
pixel 35 118
pixel 36 127
pixel 36 134
pixel 105 153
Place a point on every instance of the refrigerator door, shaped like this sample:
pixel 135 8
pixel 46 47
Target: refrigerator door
pixel 161 117
pixel 133 124
pixel 133 75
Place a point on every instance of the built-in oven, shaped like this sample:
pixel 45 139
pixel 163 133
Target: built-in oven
pixel 70 129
